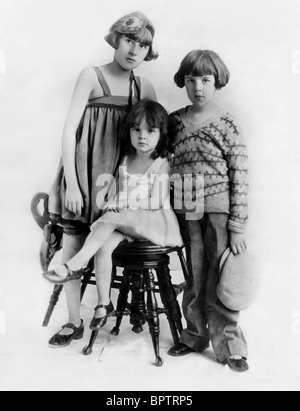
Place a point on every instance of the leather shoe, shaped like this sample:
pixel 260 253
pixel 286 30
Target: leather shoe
pixel 54 278
pixel 61 341
pixel 179 350
pixel 100 322
pixel 237 365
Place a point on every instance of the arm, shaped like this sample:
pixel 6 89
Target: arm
pixel 148 91
pixel 237 160
pixel 82 91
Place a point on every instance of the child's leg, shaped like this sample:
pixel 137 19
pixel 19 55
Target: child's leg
pixel 92 245
pixel 195 336
pixel 71 246
pixel 226 336
pixel 103 270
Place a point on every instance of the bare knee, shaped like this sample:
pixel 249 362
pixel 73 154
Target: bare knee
pixel 107 249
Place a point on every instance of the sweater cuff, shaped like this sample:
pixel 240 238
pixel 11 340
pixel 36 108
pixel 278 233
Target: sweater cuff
pixel 237 227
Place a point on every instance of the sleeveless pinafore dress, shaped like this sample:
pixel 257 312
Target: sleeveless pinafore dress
pixel 98 151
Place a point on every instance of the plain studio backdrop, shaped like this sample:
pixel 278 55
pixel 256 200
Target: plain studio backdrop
pixel 43 46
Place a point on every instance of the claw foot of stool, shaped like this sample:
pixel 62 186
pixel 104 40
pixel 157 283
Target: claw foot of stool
pixel 87 351
pixel 159 362
pixel 115 331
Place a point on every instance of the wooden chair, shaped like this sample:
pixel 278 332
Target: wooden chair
pixel 146 272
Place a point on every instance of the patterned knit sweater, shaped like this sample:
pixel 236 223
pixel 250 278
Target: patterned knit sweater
pixel 216 150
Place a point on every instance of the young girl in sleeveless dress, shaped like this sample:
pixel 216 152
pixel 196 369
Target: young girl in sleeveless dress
pixel 140 210
pixel 91 145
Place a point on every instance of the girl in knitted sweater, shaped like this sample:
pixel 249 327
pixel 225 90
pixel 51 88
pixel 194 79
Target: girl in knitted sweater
pixel 207 142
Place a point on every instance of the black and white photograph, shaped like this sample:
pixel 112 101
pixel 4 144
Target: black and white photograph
pixel 150 200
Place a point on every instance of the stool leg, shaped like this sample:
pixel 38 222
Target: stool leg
pixel 89 349
pixel 152 316
pixel 53 301
pixel 137 305
pixel 183 262
pixel 86 279
pixel 122 302
pixel 169 300
pixel 113 274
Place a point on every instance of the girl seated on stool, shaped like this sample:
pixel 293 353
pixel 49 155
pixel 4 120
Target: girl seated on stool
pixel 141 209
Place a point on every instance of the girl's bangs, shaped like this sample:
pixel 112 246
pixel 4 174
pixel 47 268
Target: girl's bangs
pixel 150 117
pixel 202 67
pixel 144 37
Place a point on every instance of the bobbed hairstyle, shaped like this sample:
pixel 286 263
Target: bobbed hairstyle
pixel 203 63
pixel 137 27
pixel 155 116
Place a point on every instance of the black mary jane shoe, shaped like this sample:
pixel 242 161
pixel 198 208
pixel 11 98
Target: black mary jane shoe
pixel 61 341
pixel 180 350
pixel 98 323
pixel 54 278
pixel 240 365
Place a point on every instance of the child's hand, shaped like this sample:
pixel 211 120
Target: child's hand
pixel 74 200
pixel 115 206
pixel 110 206
pixel 237 243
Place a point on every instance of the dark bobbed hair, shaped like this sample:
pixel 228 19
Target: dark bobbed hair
pixel 203 63
pixel 155 116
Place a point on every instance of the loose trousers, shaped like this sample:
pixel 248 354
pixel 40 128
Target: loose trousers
pixel 207 318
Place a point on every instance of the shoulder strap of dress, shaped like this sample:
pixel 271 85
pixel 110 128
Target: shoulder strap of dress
pixel 138 87
pixel 102 81
pixel 157 165
pixel 124 161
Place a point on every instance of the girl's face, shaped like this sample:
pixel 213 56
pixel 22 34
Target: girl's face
pixel 144 138
pixel 201 90
pixel 130 54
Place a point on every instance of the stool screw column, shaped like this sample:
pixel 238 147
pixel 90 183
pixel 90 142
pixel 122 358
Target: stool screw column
pixel 138 306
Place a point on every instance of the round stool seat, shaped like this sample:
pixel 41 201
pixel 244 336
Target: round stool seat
pixel 141 255
pixel 141 247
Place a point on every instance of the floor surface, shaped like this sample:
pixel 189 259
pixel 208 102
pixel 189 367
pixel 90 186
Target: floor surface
pixel 271 326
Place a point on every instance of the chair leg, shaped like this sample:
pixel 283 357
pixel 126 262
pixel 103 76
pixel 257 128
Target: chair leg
pixel 89 349
pixel 152 316
pixel 53 301
pixel 122 302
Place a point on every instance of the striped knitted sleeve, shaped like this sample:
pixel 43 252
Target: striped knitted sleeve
pixel 237 160
pixel 171 132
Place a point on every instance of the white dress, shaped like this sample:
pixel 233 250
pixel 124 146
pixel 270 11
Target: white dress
pixel 159 226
